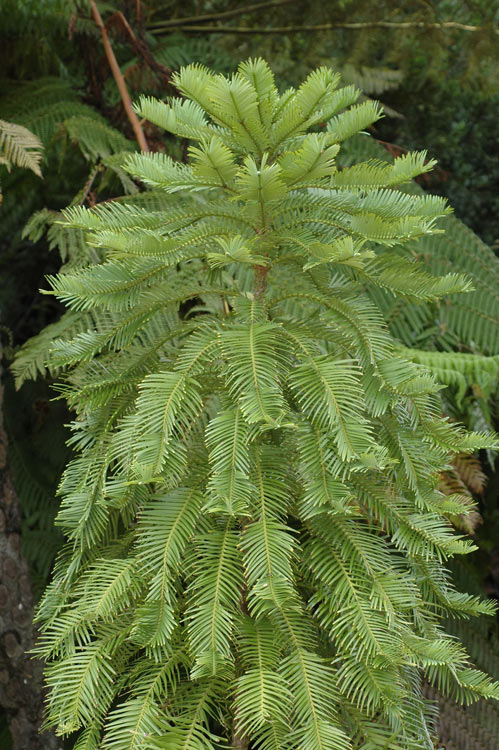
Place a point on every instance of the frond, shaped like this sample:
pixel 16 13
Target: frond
pixel 356 118
pixel 330 395
pixel 160 171
pixel 372 80
pixel 214 162
pixel 262 697
pixel 260 77
pixel 260 183
pixel 234 103
pixel 404 278
pixel 89 739
pixel 462 371
pixel 227 436
pixel 167 404
pixel 46 122
pixel 376 174
pixel 215 600
pixel 133 723
pixel 314 692
pixel 166 527
pixel 252 353
pixel 313 161
pixel 268 548
pixel 20 147
pixel 33 357
pixel 140 717
pixel 73 700
pixel 96 139
pixel 106 590
pixel 185 118
pixel 69 241
pixel 191 723
pixel 323 491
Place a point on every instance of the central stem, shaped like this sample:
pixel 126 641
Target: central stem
pixel 260 281
pixel 239 742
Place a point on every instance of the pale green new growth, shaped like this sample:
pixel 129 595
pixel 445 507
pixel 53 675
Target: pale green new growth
pixel 257 544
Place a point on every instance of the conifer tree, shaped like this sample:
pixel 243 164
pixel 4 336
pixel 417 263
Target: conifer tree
pixel 257 544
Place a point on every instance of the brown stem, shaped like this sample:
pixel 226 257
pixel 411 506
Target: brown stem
pixel 120 81
pixel 239 742
pixel 142 49
pixel 329 27
pixel 392 146
pixel 225 14
pixel 89 183
pixel 21 679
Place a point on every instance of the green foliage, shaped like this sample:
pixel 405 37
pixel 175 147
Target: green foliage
pixel 434 70
pixel 82 157
pixel 20 147
pixel 450 335
pixel 457 126
pixel 476 724
pixel 256 539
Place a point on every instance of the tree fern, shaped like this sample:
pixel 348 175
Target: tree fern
pixel 255 504
pixel 19 147
pixel 51 112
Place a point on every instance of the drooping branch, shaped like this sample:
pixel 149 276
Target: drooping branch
pixel 246 10
pixel 423 25
pixel 120 81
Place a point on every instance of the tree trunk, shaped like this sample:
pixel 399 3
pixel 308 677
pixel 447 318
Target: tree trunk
pixel 21 680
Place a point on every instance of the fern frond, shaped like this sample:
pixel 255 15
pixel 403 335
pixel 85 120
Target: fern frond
pixel 73 701
pixel 158 431
pixel 20 147
pixel 167 526
pixel 251 351
pixel 215 599
pixel 96 139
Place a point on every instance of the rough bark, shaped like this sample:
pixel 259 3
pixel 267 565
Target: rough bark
pixel 21 679
pixel 141 47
